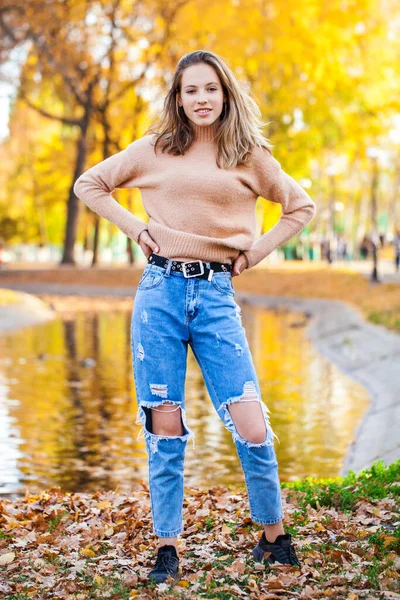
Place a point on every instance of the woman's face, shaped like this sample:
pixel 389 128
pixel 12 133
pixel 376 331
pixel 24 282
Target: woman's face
pixel 201 88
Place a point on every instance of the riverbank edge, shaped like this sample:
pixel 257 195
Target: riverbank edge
pixel 27 310
pixel 369 354
pixel 366 352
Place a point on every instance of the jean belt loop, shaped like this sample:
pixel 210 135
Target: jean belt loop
pixel 211 273
pixel 169 267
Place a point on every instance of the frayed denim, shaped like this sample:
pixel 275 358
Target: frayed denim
pixel 170 312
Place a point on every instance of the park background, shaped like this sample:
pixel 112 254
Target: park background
pixel 80 81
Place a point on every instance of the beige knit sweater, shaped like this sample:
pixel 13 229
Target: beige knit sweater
pixel 195 209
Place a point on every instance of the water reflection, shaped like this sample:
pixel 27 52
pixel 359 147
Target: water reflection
pixel 68 406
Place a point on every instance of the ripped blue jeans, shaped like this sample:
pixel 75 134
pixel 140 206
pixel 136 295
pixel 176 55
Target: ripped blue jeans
pixel 171 311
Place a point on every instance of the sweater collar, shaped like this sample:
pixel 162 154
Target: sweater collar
pixel 205 133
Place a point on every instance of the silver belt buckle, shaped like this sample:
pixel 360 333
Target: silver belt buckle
pixel 190 262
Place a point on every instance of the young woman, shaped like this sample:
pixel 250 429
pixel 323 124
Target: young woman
pixel 200 174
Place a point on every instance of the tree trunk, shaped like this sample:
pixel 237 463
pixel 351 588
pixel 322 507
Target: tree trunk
pixel 129 250
pixel 96 236
pixel 394 203
pixel 73 201
pixel 374 221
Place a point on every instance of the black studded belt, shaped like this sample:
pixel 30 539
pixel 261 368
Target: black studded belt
pixel 193 268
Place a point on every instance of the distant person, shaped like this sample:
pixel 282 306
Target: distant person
pixel 365 247
pixel 342 247
pixel 201 204
pixel 326 249
pixel 299 250
pixel 396 246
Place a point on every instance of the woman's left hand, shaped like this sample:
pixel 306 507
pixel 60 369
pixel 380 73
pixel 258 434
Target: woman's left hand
pixel 239 265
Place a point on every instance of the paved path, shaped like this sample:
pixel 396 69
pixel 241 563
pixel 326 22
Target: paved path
pixel 62 289
pixel 368 353
pixel 386 269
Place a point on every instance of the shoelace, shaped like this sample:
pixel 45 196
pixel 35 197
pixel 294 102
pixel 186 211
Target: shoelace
pixel 162 562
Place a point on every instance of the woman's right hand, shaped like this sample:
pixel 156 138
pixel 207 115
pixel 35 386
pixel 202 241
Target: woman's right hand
pixel 240 264
pixel 147 244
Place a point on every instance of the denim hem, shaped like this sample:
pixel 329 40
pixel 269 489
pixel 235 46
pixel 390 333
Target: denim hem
pixel 167 533
pixel 268 522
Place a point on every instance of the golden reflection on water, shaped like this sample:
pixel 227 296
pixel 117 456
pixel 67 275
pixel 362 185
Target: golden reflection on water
pixel 68 406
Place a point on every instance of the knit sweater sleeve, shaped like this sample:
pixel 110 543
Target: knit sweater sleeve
pixel 96 184
pixel 298 209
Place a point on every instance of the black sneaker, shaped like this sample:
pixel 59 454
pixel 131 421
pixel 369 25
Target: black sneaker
pixel 282 550
pixel 167 563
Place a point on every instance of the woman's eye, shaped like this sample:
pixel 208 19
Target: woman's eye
pixel 210 90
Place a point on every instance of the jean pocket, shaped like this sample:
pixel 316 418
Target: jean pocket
pixel 151 277
pixel 223 283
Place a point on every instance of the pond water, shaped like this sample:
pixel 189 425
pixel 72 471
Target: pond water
pixel 68 406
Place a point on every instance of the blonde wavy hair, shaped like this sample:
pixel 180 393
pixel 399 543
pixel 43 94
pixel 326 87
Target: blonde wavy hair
pixel 240 121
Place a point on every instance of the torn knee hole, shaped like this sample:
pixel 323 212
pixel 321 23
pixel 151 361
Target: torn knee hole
pixel 166 427
pixel 258 433
pixel 255 432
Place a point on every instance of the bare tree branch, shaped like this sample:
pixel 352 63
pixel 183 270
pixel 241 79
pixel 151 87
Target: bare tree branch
pixel 45 113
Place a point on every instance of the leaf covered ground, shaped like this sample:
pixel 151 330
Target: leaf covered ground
pixel 346 531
